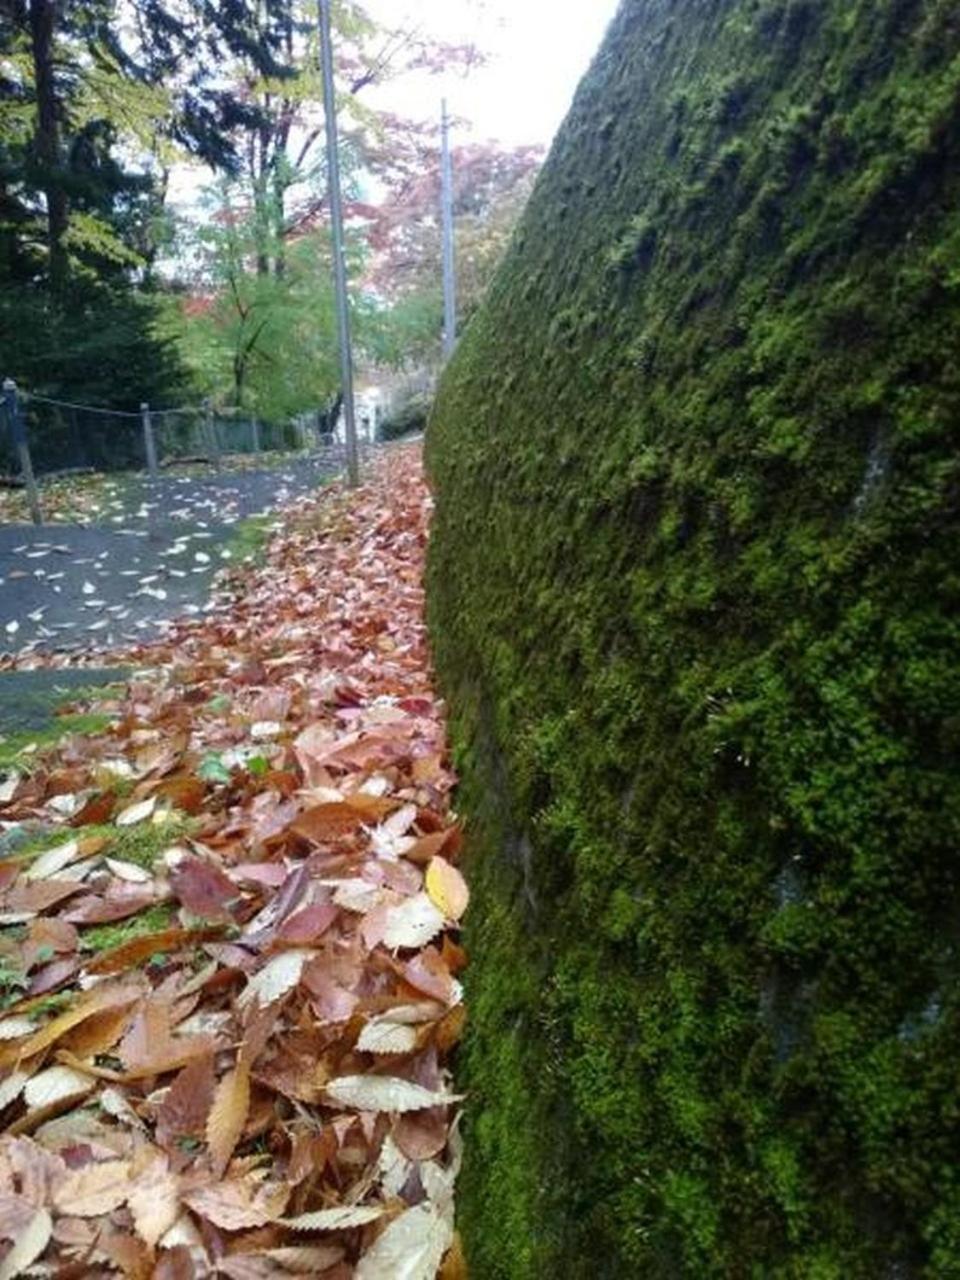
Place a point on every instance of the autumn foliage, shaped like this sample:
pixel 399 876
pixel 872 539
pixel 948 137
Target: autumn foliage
pixel 226 1053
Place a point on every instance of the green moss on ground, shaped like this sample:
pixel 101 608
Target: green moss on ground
pixel 104 937
pixel 694 598
pixel 17 749
pixel 249 540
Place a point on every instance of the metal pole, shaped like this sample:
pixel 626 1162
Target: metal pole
pixel 256 435
pixel 449 260
pixel 149 443
pixel 19 434
pixel 212 438
pixel 336 224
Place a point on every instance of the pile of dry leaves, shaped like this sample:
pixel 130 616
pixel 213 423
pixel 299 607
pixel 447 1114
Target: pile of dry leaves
pixel 223 1048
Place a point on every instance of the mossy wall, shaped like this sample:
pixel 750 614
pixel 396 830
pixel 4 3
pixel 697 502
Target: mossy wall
pixel 695 600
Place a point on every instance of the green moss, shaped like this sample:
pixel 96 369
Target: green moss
pixel 141 844
pixel 249 540
pixel 16 749
pixel 693 593
pixel 103 937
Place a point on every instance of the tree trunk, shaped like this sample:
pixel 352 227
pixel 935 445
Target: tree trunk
pixel 43 16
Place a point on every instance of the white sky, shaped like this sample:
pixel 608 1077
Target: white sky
pixel 539 49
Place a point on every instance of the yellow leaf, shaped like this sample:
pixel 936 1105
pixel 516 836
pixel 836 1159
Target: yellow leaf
pixel 100 998
pixel 447 888
pixel 228 1115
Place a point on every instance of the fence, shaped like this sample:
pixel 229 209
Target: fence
pixel 42 437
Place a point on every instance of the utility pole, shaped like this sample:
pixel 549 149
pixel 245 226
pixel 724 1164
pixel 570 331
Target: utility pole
pixel 336 225
pixel 449 262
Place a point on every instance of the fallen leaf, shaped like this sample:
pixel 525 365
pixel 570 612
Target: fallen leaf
pixel 54 860
pixel 203 889
pixel 383 1093
pixel 275 979
pixel 239 1203
pixel 447 888
pixel 455 1263
pixel 96 1001
pixel 55 1085
pixel 94 1189
pixel 228 1115
pixel 153 1197
pixel 385 1034
pixel 411 1248
pixel 340 1219
pixel 29 1245
pixel 412 923
pixel 137 812
pixel 186 1104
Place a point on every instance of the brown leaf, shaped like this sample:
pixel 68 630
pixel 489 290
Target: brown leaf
pixel 38 895
pixel 129 954
pixel 228 1115
pixel 98 810
pixel 428 972
pixel 308 924
pixel 48 934
pixel 120 901
pixel 328 822
pixel 126 1252
pixel 185 791
pixel 421 1135
pixel 149 1047
pixel 186 1104
pixel 97 1034
pixel 175 1264
pixel 53 975
pixel 450 1030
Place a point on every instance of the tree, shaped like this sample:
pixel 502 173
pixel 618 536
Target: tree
pixel 263 342
pixel 491 187
pixel 79 199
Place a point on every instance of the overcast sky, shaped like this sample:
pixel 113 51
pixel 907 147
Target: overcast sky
pixel 539 50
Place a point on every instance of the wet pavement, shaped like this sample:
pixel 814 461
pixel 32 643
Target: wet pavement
pixel 151 556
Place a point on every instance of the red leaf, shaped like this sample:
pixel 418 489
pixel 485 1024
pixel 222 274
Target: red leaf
pixel 203 889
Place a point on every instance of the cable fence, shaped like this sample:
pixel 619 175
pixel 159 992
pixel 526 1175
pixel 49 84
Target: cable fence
pixel 42 437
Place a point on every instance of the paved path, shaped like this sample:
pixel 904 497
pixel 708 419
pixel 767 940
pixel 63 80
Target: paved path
pixel 151 558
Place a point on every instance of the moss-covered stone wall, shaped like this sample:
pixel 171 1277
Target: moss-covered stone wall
pixel 695 599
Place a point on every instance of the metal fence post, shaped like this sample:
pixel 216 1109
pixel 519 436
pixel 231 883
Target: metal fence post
pixel 149 443
pixel 256 435
pixel 18 434
pixel 212 433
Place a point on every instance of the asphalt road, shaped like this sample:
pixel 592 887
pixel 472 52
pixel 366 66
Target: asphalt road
pixel 151 558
